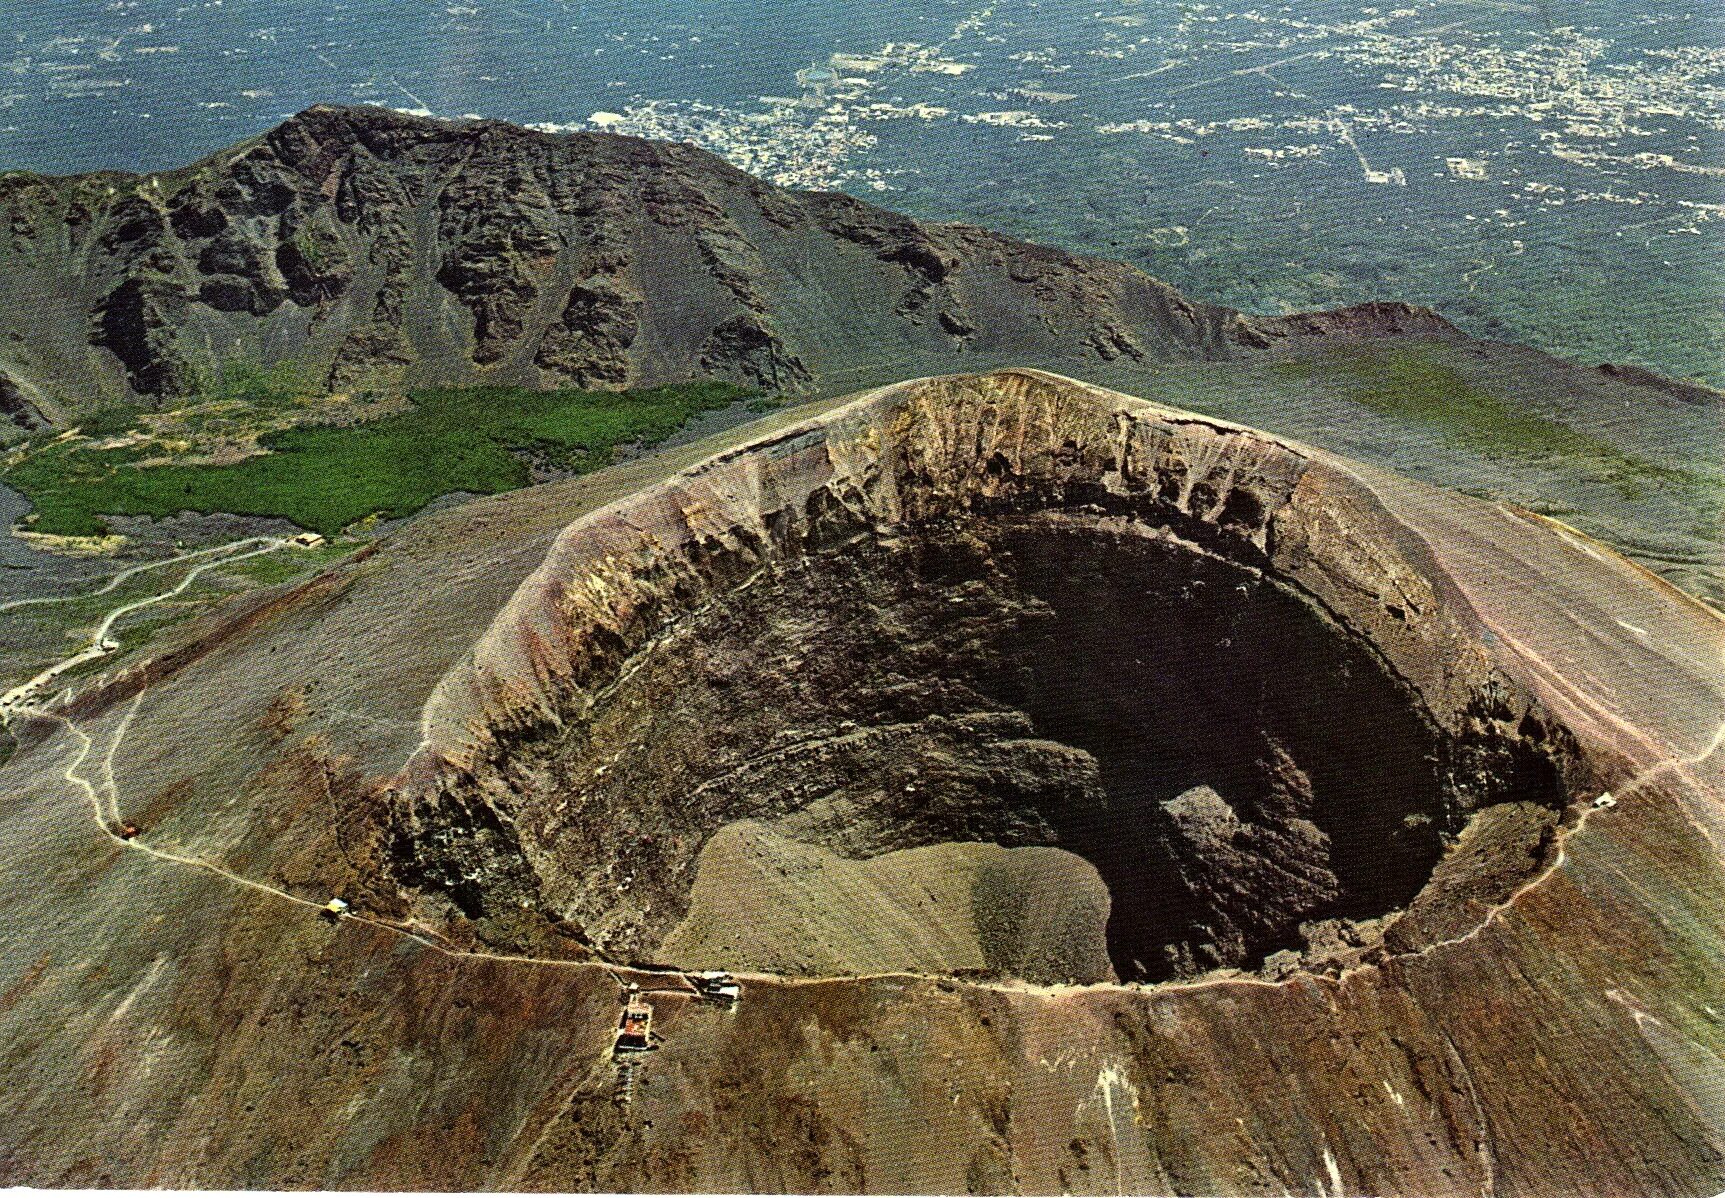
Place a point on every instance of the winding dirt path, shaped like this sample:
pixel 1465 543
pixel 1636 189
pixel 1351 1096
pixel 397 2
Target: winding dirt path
pixel 103 800
pixel 98 645
pixel 129 572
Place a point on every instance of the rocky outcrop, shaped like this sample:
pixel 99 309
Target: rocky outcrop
pixel 1380 319
pixel 22 407
pixel 590 344
pixel 1640 376
pixel 376 248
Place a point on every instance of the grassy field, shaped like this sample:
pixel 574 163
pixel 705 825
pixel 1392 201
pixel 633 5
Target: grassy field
pixel 1415 382
pixel 479 440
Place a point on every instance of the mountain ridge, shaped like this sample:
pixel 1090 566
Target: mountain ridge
pixel 364 251
pixel 373 247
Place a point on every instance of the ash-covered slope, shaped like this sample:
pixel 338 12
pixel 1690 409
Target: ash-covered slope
pixel 375 247
pixel 1349 731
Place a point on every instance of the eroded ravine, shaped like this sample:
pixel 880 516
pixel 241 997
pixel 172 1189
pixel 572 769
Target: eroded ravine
pixel 982 676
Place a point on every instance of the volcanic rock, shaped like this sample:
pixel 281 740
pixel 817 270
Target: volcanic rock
pixel 375 248
pixel 907 710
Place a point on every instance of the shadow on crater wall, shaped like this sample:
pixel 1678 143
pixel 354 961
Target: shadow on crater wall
pixel 1260 767
pixel 1233 763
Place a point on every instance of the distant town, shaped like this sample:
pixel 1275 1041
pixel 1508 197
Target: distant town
pixel 1451 151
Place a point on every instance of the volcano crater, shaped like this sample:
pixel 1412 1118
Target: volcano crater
pixel 1100 704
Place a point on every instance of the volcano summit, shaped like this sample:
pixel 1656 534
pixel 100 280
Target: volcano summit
pixel 975 613
pixel 1087 794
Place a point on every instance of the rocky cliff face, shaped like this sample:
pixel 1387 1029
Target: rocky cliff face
pixel 1316 831
pixel 975 614
pixel 376 248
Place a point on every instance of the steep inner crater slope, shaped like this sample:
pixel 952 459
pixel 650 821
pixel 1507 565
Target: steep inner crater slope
pixel 990 675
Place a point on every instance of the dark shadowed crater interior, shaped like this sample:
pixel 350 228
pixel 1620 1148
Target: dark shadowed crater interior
pixel 1238 769
pixel 1256 767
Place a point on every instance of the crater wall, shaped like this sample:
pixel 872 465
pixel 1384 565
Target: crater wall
pixel 1198 664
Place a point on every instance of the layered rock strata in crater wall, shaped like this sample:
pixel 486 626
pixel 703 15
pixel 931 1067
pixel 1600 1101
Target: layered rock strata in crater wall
pixel 1006 611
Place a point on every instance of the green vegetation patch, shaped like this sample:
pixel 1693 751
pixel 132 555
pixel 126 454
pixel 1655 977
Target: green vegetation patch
pixel 477 439
pixel 110 422
pixel 1422 383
